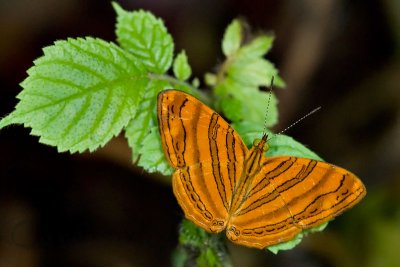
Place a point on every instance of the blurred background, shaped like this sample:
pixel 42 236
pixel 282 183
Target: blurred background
pixel 99 210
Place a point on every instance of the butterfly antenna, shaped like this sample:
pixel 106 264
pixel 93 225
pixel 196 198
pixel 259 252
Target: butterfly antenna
pixel 271 85
pixel 296 122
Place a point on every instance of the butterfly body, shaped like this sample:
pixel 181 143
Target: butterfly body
pixel 221 184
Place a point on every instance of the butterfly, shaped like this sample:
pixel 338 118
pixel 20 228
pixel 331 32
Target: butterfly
pixel 222 185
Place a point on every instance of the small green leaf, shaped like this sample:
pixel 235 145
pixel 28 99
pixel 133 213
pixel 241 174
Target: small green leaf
pixel 242 74
pixel 279 145
pixel 279 82
pixel 81 93
pixel 199 248
pixel 146 37
pixel 258 47
pixel 286 245
pixel 152 156
pixel 253 72
pixel 181 67
pixel 241 103
pixel 210 79
pixel 247 67
pixel 296 240
pixel 248 131
pixel 192 235
pixel 209 257
pixel 196 82
pixel 283 145
pixel 232 38
pixel 140 126
pixel 232 108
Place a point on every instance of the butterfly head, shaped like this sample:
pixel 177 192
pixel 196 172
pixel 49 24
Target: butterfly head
pixel 261 144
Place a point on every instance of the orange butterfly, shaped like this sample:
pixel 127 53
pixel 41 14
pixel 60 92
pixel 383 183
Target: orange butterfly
pixel 221 184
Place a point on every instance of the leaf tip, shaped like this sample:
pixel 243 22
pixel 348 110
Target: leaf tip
pixel 118 9
pixel 181 67
pixel 8 120
pixel 232 37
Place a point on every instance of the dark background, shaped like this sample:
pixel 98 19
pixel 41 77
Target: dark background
pixel 99 210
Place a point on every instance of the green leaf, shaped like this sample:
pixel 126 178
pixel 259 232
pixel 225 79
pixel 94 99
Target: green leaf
pixel 145 119
pixel 248 131
pixel 253 72
pixel 286 245
pixel 196 82
pixel 146 37
pixel 199 248
pixel 181 67
pixel 257 47
pixel 152 156
pixel 250 68
pixel 279 145
pixel 232 107
pixel 242 74
pixel 246 64
pixel 241 103
pixel 283 145
pixel 232 38
pixel 192 235
pixel 296 240
pixel 210 79
pixel 81 93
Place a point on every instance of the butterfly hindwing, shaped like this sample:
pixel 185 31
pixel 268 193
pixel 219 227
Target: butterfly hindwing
pixel 289 195
pixel 316 192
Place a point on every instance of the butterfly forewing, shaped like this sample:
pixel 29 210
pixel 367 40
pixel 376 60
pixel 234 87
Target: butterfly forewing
pixel 207 153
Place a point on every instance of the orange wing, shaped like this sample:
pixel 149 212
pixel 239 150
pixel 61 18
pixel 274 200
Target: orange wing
pixel 288 195
pixel 207 154
pixel 220 184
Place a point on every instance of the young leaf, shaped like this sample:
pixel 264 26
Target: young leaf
pixel 283 145
pixel 253 72
pixel 146 37
pixel 232 38
pixel 296 240
pixel 196 82
pixel 81 93
pixel 248 131
pixel 152 156
pixel 232 107
pixel 199 248
pixel 249 68
pixel 181 67
pixel 238 81
pixel 245 103
pixel 279 145
pixel 257 47
pixel 210 79
pixel 140 126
